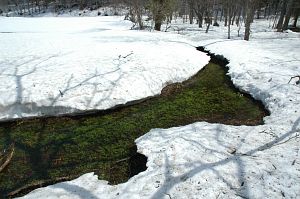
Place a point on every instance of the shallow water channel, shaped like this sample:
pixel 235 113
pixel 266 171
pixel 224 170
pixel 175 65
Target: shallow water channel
pixel 49 150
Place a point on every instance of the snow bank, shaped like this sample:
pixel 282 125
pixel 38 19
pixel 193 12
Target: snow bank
pixel 200 160
pixel 51 66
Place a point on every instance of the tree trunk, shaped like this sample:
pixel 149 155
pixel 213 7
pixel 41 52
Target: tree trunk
pixel 157 25
pixel 233 18
pixel 139 19
pixel 28 7
pixel 288 14
pixel 249 18
pixel 158 15
pixel 207 28
pixel 296 17
pixel 216 18
pixel 226 18
pixel 265 10
pixel 238 17
pixel 191 10
pixel 191 16
pixel 200 20
pixel 222 13
pixel 258 14
pixel 282 13
pixel 229 20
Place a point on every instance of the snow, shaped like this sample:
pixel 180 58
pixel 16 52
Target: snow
pixel 200 160
pixel 51 66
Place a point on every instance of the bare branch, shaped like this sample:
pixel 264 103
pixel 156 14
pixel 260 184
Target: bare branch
pixel 41 183
pixel 9 157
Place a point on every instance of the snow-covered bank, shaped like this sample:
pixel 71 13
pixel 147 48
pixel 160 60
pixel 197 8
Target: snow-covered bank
pixel 51 66
pixel 203 160
pixel 264 71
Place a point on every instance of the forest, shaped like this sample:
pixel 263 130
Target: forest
pixel 202 12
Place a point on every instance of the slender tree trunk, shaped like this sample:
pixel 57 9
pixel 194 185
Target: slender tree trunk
pixel 199 13
pixel 24 7
pixel 269 11
pixel 191 10
pixel 216 18
pixel 296 17
pixel 207 28
pixel 258 14
pixel 191 16
pixel 39 7
pixel 158 24
pixel 229 20
pixel 159 15
pixel 222 13
pixel 229 31
pixel 200 20
pixel 249 18
pixel 226 17
pixel 238 17
pixel 139 19
pixel 288 14
pixel 233 18
pixel 28 7
pixel 265 10
pixel 281 18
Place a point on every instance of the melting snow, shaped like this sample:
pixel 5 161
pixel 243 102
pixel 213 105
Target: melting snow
pixel 97 63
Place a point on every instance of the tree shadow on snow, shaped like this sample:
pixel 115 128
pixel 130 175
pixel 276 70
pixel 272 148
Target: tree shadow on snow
pixel 243 191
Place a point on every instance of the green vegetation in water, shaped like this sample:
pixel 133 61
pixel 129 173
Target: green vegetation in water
pixel 51 148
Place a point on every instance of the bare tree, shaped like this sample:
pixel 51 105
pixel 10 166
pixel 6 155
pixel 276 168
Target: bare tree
pixel 199 9
pixel 162 9
pixel 136 10
pixel 3 5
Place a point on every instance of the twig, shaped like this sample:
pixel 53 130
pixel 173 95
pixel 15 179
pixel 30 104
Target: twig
pixel 269 133
pixel 289 139
pixel 127 55
pixel 2 155
pixel 7 161
pixel 242 196
pixel 122 160
pixel 118 161
pixel 61 93
pixel 41 183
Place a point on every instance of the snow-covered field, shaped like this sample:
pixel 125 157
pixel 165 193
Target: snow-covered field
pixel 51 66
pixel 98 63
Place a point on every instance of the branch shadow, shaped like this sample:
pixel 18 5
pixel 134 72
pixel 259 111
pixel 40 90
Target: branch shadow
pixel 79 191
pixel 21 108
pixel 236 158
pixel 39 156
pixel 42 153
